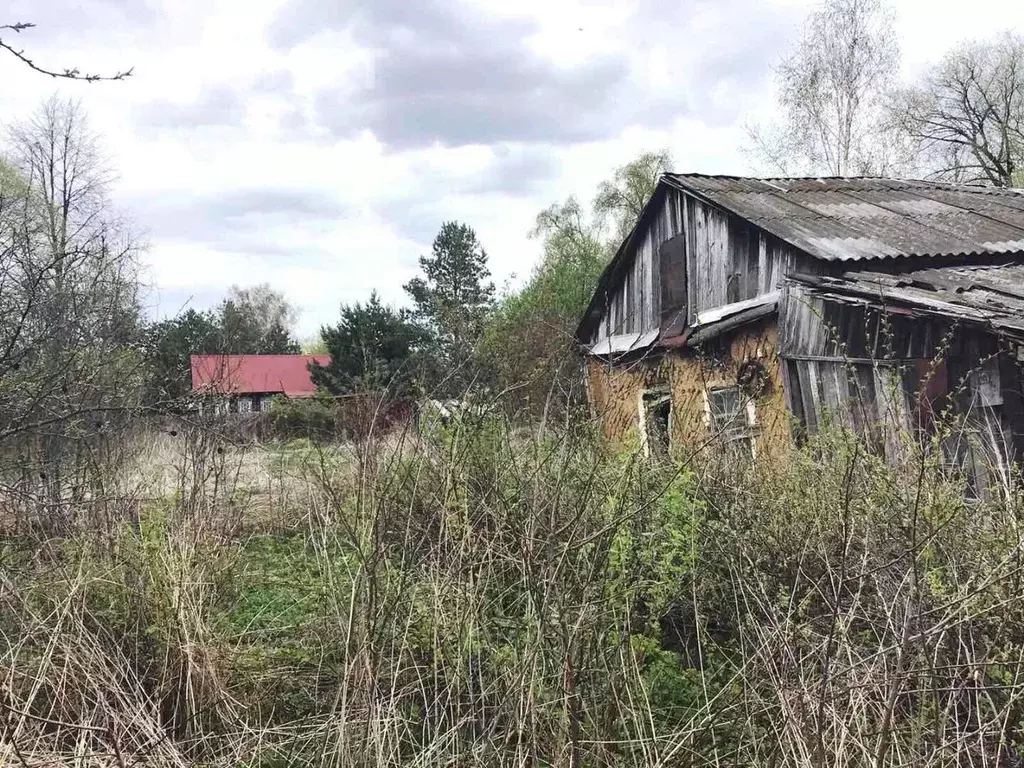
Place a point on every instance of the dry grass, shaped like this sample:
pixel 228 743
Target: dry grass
pixel 477 599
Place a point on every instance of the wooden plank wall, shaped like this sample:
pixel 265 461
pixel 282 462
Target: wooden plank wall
pixel 811 326
pixel 888 377
pixel 634 305
pixel 727 260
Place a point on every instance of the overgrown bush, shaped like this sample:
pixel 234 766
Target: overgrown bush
pixel 473 596
pixel 312 417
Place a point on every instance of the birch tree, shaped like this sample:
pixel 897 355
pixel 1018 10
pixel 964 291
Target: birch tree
pixel 622 198
pixel 831 91
pixel 68 296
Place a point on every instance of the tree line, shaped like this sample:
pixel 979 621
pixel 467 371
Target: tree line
pixel 461 336
pixel 76 340
pixel 843 109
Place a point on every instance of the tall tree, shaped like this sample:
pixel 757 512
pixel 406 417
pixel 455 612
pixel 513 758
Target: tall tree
pixel 527 347
pixel 68 292
pixel 966 117
pixel 168 347
pixel 373 348
pixel 622 198
pixel 452 299
pixel 831 94
pixel 257 321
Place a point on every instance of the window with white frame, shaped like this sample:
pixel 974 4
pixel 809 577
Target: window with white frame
pixel 656 422
pixel 732 418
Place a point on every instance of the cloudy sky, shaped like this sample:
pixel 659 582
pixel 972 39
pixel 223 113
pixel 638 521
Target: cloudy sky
pixel 319 144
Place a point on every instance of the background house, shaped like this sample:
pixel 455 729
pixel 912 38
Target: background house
pixel 242 383
pixel 749 311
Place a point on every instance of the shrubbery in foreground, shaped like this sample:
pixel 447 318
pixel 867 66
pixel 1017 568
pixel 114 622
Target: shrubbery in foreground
pixel 477 598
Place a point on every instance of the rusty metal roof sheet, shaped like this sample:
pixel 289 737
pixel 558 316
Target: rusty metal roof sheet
pixel 988 295
pixel 847 219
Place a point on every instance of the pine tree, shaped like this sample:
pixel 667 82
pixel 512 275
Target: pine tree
pixel 452 300
pixel 372 348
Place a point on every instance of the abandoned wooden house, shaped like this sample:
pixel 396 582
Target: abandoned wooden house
pixel 749 312
pixel 244 383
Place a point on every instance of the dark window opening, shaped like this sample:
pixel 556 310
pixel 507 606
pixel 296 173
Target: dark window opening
pixel 657 415
pixel 796 403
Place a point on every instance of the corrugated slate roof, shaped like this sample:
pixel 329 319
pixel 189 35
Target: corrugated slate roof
pixel 846 219
pixel 255 374
pixel 989 295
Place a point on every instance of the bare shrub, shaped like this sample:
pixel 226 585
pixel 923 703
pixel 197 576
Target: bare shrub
pixel 472 595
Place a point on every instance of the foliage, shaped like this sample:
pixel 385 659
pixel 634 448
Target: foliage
pixel 451 301
pixel 487 597
pixel 302 417
pixel 314 346
pixel 373 348
pixel 69 296
pixel 831 93
pixel 168 346
pixel 622 198
pixel 256 321
pixel 527 344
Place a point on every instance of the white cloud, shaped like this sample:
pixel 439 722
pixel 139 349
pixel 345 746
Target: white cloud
pixel 255 147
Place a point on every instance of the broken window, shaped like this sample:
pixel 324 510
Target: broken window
pixel 732 419
pixel 657 419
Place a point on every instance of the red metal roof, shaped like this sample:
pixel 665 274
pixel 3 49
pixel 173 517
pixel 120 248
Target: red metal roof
pixel 255 374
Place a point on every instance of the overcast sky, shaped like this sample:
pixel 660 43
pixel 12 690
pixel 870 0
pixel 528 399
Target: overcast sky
pixel 319 144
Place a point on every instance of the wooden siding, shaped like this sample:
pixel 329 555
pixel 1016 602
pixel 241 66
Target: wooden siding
pixel 633 304
pixel 724 259
pixel 729 259
pixel 890 377
pixel 812 327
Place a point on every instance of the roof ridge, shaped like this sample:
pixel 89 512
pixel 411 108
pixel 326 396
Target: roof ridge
pixel 932 183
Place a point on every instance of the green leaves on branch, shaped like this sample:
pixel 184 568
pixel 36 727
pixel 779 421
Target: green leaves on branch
pixel 374 347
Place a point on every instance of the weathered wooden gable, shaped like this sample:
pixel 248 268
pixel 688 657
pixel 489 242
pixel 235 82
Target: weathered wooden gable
pixel 728 258
pixel 631 300
pixel 687 256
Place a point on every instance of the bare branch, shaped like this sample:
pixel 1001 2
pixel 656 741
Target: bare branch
pixel 966 117
pixel 831 91
pixel 66 74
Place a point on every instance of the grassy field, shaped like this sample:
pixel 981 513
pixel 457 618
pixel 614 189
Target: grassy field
pixel 480 597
